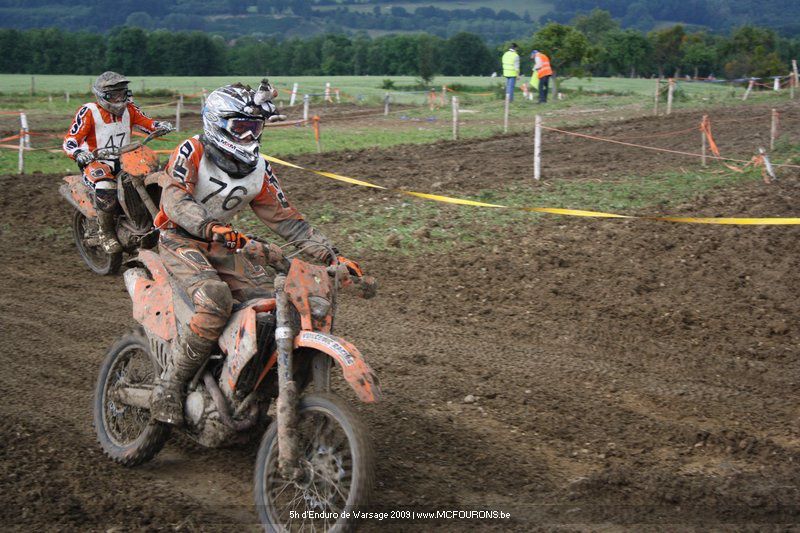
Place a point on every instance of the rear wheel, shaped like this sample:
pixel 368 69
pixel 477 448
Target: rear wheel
pixel 338 462
pixel 126 433
pixel 85 233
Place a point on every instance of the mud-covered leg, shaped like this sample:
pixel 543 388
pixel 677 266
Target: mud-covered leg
pixel 99 177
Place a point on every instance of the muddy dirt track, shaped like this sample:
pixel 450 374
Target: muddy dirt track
pixel 627 374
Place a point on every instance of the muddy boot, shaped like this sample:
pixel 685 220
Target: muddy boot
pixel 188 355
pixel 107 232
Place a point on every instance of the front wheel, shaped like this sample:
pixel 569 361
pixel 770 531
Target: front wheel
pixel 126 433
pixel 85 233
pixel 338 466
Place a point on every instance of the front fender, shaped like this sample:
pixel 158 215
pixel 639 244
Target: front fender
pixel 356 371
pixel 75 192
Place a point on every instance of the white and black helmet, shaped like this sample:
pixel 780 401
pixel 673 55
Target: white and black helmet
pixel 111 90
pixel 233 120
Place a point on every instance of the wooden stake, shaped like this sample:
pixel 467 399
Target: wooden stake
pixel 444 95
pixel 66 96
pixel 455 118
pixel 768 166
pixel 338 96
pixel 317 134
pixel 773 131
pixel 658 93
pixel 703 140
pixel 505 114
pixel 306 103
pixel 537 148
pixel 776 84
pixel 386 105
pixel 670 92
pixel 33 85
pixel 749 89
pixel 293 97
pixel 328 92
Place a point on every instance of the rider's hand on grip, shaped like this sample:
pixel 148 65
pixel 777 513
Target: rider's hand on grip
pixel 83 158
pixel 165 127
pixel 228 236
pixel 352 266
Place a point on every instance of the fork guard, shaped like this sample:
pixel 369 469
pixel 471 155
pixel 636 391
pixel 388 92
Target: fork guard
pixel 356 371
pixel 74 191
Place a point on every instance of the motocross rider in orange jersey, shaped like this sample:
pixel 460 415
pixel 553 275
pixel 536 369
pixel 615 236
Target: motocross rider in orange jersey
pixel 210 178
pixel 106 123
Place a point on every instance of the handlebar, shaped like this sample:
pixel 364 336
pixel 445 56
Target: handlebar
pixel 114 153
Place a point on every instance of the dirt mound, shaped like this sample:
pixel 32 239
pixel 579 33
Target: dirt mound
pixel 621 372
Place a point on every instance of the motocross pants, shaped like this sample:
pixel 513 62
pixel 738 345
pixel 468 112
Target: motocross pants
pixel 102 181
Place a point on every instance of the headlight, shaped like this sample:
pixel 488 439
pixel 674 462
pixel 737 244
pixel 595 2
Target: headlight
pixel 320 307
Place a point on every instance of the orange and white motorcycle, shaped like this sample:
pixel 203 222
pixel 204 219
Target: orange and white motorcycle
pixel 138 194
pixel 315 460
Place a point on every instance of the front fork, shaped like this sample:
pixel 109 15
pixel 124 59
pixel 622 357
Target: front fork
pixel 287 387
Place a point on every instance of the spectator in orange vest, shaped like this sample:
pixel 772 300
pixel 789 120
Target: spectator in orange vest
pixel 541 65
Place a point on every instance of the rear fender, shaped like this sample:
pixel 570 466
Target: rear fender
pixel 76 193
pixel 153 305
pixel 355 369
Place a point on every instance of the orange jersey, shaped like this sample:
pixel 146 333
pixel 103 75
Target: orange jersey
pixel 197 192
pixel 94 127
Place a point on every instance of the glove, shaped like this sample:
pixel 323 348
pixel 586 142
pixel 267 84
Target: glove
pixel 83 158
pixel 227 235
pixel 352 266
pixel 166 126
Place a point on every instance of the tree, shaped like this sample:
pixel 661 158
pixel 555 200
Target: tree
pixel 667 49
pixel 626 52
pixel 427 57
pixel 466 54
pixel 566 47
pixel 595 25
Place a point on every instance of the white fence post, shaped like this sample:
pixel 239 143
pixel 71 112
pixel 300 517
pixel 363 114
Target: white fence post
pixel 338 94
pixel 293 97
pixel 537 148
pixel 21 161
pixel 773 130
pixel 386 105
pixel 203 99
pixel 33 85
pixel 306 103
pixel 23 123
pixel 795 76
pixel 66 96
pixel 455 118
pixel 505 113
pixel 749 89
pixel 670 93
pixel 658 93
pixel 328 92
pixel 776 84
pixel 178 109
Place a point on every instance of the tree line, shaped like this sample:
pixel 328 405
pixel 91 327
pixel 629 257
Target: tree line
pixel 592 44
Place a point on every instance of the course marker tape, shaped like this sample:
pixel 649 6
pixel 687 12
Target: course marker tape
pixel 549 210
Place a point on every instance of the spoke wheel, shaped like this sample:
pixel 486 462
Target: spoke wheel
pixel 126 433
pixel 85 233
pixel 337 461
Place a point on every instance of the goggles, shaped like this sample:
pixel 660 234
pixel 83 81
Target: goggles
pixel 242 128
pixel 117 96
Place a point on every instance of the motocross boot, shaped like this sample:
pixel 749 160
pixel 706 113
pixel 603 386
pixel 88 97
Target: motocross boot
pixel 107 232
pixel 189 353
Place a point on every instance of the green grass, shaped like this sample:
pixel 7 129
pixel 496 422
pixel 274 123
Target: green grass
pixel 425 226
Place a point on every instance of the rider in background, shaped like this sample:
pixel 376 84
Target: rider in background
pixel 209 179
pixel 106 123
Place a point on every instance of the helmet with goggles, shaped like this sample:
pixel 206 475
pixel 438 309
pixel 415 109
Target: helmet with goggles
pixel 111 90
pixel 233 120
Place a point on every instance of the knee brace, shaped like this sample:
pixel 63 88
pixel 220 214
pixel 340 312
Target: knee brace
pixel 213 302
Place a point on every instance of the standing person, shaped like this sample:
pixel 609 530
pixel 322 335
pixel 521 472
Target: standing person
pixel 209 179
pixel 106 123
pixel 541 65
pixel 511 70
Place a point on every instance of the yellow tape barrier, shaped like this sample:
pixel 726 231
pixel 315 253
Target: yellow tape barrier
pixel 550 210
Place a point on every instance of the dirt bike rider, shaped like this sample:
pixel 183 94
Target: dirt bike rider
pixel 210 178
pixel 106 123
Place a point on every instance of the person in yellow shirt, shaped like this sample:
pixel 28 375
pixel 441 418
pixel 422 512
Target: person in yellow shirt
pixel 511 70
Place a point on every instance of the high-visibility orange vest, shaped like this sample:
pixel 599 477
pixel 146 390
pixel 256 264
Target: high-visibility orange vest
pixel 545 69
